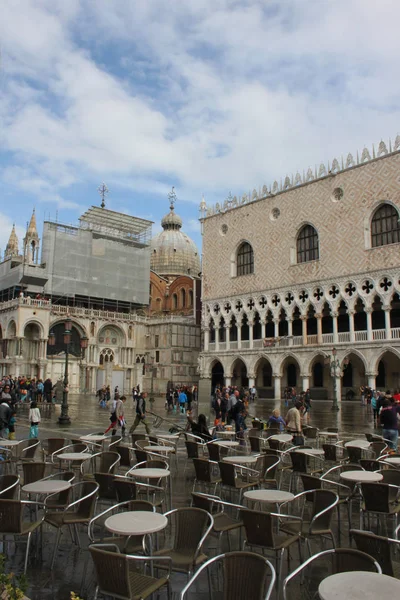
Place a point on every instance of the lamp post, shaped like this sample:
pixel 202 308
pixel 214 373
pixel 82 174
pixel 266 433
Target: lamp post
pixel 150 365
pixel 64 418
pixel 335 368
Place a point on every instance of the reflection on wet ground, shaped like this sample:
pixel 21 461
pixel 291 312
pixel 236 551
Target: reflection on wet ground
pixel 87 416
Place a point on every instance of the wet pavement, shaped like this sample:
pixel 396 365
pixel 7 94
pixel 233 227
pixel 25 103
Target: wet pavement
pixel 44 583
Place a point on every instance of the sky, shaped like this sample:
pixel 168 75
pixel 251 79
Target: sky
pixel 211 96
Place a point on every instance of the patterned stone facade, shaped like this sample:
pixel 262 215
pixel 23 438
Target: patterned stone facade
pixel 348 298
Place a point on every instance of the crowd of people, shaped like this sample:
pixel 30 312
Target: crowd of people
pixel 14 391
pixel 180 398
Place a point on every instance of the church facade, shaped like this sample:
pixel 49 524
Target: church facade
pixel 100 275
pixel 306 290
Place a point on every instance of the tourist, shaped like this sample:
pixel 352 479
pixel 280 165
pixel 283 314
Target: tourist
pixel 253 393
pixel 39 390
pixel 307 405
pixel 47 390
pixel 34 420
pixel 389 422
pixel 182 401
pixel 200 428
pixel 293 424
pixel 5 414
pixel 276 420
pixel 11 425
pixel 233 398
pixel 240 421
pixel 140 412
pixel 120 413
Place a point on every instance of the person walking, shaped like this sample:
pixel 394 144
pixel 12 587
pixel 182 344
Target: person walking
pixel 389 422
pixel 47 390
pixel 293 424
pixel 120 413
pixel 34 419
pixel 182 401
pixel 140 412
pixel 5 414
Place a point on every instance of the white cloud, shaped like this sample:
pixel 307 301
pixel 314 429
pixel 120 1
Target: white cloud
pixel 215 95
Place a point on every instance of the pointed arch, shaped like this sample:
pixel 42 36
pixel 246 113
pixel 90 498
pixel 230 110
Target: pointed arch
pixel 307 244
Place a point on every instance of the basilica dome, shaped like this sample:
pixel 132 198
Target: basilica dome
pixel 172 251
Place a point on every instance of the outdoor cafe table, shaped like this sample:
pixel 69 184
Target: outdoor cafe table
pixel 310 451
pixel 71 456
pixel 159 449
pixel 358 585
pixel 138 522
pixel 227 433
pixel 93 438
pixel 281 437
pixel 168 436
pixel 151 473
pixel 228 443
pixel 269 496
pixel 45 487
pixel 361 476
pixel 392 460
pixel 9 443
pixel 363 444
pixel 240 460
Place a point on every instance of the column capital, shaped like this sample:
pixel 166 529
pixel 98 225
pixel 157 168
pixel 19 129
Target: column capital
pixel 277 375
pixel 387 308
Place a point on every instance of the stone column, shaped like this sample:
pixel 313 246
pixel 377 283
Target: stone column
pixel 277 387
pixel 251 380
pixel 304 329
pixel 276 327
pixel 351 324
pixel 251 335
pixel 217 338
pixel 239 335
pixel 319 329
pixel 227 340
pixel 290 331
pixel 228 380
pixel 206 338
pixel 338 388
pixel 335 328
pixel 305 382
pixel 369 323
pixel 371 380
pixel 204 397
pixel 388 330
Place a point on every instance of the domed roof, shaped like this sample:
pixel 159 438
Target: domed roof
pixel 172 251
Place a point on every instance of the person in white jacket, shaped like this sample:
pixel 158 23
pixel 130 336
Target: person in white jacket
pixel 34 419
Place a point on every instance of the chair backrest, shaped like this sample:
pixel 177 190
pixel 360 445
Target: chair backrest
pixel 109 462
pixel 106 485
pixel 323 500
pixel 156 464
pixel 311 432
pixel 141 456
pixel 274 444
pixel 79 447
pixel 136 437
pixel 124 455
pixel 190 525
pixel 354 454
pixel 66 476
pixel 299 461
pixel 54 444
pixel 33 471
pixel 246 575
pixel 259 527
pixel 391 476
pixel 228 473
pixel 254 432
pixel 9 486
pixel 140 444
pixel 29 451
pixel 330 451
pixel 214 451
pixel 202 501
pixel 332 429
pixel 11 516
pixel 255 443
pixel 377 546
pixel 378 448
pixel 112 570
pixel 202 469
pixel 310 482
pixel 192 449
pixel 376 497
pixel 125 489
pixel 369 464
pixel 86 505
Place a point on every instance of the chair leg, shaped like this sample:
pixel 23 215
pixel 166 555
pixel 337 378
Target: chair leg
pixel 56 547
pixel 28 543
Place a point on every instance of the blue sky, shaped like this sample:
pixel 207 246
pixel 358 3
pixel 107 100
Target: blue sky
pixel 210 96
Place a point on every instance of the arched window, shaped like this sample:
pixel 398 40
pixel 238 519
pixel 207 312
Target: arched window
pixel 190 298
pixel 174 301
pixel 307 244
pixel 245 260
pixel 385 228
pixel 183 298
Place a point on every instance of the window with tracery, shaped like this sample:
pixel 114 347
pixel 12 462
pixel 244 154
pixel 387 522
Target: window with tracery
pixel 245 260
pixel 307 244
pixel 385 228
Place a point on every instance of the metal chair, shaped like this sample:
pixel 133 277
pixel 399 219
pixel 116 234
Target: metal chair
pixel 27 449
pixel 101 462
pixel 61 500
pixel 300 464
pixel 232 481
pixel 12 522
pixel 261 532
pixel 379 547
pixel 52 445
pixel 118 575
pixel 215 451
pixel 125 456
pixel 9 487
pixel 267 466
pixel 377 500
pixel 33 471
pixel 83 509
pixel 370 464
pixel 204 476
pixel 223 522
pixel 329 562
pixel 243 575
pixel 190 528
pixel 127 489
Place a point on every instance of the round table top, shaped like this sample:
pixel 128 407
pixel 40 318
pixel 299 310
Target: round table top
pixel 329 433
pixel 228 432
pixel 357 444
pixel 394 460
pixel 48 486
pixel 361 476
pixel 137 522
pixel 358 585
pixel 150 473
pixel 240 460
pixel 74 455
pixel 168 436
pixel 281 437
pixel 229 444
pixel 310 451
pixel 159 449
pixel 269 496
pixel 6 443
pixel 93 438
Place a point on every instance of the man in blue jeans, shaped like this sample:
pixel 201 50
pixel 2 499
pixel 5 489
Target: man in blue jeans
pixel 389 422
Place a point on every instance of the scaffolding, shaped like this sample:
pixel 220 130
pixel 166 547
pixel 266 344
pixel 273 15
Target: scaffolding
pixel 109 222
